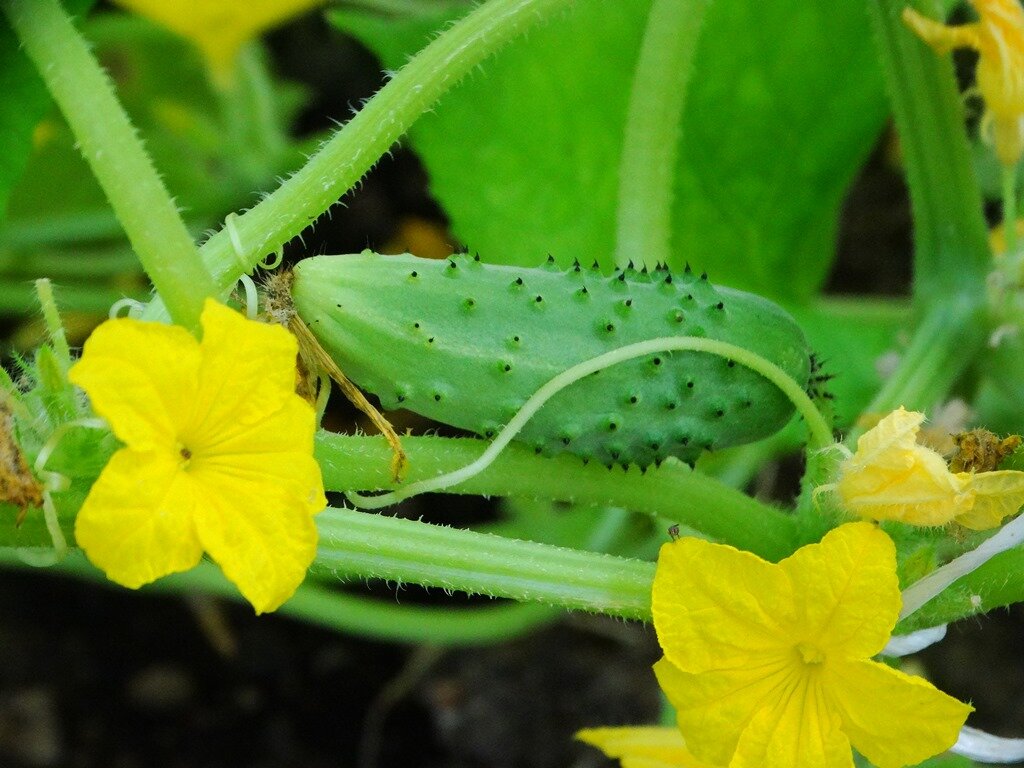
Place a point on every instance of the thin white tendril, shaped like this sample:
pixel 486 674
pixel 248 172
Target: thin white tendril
pixel 135 308
pixel 985 748
pixel 54 482
pixel 236 240
pixel 252 299
pixel 273 261
pixel 820 432
pixel 904 645
pixel 920 592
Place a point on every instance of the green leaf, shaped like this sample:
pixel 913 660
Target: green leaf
pixel 24 101
pixel 785 103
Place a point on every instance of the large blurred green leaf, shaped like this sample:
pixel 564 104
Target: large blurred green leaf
pixel 24 101
pixel 786 101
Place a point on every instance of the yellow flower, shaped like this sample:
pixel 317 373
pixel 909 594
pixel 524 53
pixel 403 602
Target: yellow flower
pixel 218 454
pixel 643 747
pixel 999 39
pixel 769 665
pixel 219 28
pixel 892 476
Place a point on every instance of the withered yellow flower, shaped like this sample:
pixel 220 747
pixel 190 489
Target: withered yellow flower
pixel 998 36
pixel 891 476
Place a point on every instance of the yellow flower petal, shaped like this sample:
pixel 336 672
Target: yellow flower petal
pixel 140 377
pixel 716 607
pixel 892 477
pixel 219 27
pixel 136 523
pixel 642 747
pixel 850 596
pixel 260 534
pixel 996 495
pixel 247 372
pixel 892 718
pixel 713 709
pixel 799 731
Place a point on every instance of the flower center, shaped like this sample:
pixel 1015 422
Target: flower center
pixel 186 455
pixel 810 654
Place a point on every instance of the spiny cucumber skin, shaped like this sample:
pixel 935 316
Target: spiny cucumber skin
pixel 466 344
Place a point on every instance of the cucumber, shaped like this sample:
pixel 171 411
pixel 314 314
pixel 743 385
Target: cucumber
pixel 466 343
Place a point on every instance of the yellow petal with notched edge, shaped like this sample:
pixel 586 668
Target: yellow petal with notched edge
pixel 995 496
pixel 717 607
pixel 142 378
pixel 797 730
pixel 260 533
pixel 219 27
pixel 891 477
pixel 246 374
pixel 713 709
pixel 849 593
pixel 892 718
pixel 642 747
pixel 136 523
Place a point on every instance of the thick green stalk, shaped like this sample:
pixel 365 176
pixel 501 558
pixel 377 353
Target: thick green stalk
pixel 951 252
pixel 343 160
pixel 672 491
pixel 653 128
pixel 363 545
pixel 114 152
pixel 352 614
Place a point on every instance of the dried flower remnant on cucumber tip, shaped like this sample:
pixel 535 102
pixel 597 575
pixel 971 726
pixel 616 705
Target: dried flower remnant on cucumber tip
pixel 315 360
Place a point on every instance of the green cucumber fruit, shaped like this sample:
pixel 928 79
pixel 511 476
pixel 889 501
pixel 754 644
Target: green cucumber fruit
pixel 466 343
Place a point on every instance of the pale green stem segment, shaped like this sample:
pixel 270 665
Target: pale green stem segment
pixel 1010 219
pixel 365 545
pixel 54 326
pixel 341 162
pixel 110 145
pixel 821 434
pixel 951 252
pixel 653 129
pixel 944 344
pixel 352 614
pixel 673 491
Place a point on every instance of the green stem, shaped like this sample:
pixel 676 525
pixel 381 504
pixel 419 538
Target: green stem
pixel 362 545
pixel 1010 218
pixel 951 252
pixel 323 606
pixel 995 584
pixel 945 343
pixel 109 144
pixel 672 491
pixel 653 129
pixel 54 326
pixel 343 160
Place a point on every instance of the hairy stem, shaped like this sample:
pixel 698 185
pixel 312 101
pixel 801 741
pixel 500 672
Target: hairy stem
pixel 363 545
pixel 114 152
pixel 673 491
pixel 343 160
pixel 653 127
